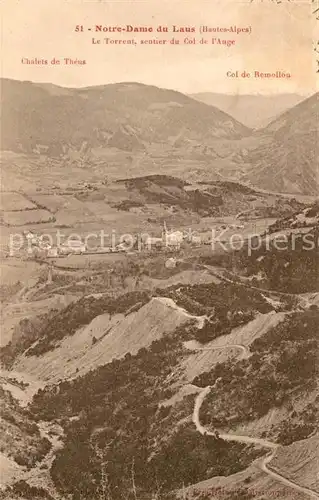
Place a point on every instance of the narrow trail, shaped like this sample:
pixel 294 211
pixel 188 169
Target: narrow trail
pixel 220 276
pixel 244 350
pixel 51 292
pixel 172 304
pixel 39 475
pixel 240 438
pixel 249 440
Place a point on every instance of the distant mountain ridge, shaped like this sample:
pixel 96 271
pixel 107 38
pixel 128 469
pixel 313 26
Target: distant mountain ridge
pixel 128 129
pixel 299 118
pixel 123 115
pixel 255 111
pixel 290 162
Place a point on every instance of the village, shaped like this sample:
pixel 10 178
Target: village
pixel 170 240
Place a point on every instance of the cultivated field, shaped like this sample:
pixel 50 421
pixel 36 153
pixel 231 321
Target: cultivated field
pixel 11 201
pixel 26 217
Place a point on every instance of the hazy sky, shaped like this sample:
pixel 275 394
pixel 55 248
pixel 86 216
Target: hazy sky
pixel 281 40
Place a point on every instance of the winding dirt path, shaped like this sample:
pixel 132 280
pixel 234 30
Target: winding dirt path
pixel 54 437
pixel 239 438
pixel 233 437
pixel 242 348
pixel 249 440
pixel 39 476
pixel 219 275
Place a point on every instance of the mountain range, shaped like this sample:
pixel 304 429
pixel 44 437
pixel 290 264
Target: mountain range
pixel 126 129
pixel 290 162
pixel 126 115
pixel 170 351
pixel 255 111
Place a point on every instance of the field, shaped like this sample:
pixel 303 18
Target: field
pixel 51 202
pixel 11 201
pixel 86 201
pixel 23 218
pixel 14 269
pixel 87 261
pixel 13 314
pixel 152 345
pixel 122 309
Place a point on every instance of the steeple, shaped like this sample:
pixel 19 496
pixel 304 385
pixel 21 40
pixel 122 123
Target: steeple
pixel 50 277
pixel 164 233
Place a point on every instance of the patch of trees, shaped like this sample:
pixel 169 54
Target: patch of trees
pixel 170 191
pixel 122 441
pixel 226 295
pixel 230 186
pixel 292 269
pixel 189 458
pixel 126 205
pixel 286 222
pixel 23 490
pixel 8 291
pixel 300 425
pixel 298 327
pixel 20 435
pixel 283 364
pixel 80 313
pixel 219 493
pixel 24 335
pixel 224 259
pixel 227 305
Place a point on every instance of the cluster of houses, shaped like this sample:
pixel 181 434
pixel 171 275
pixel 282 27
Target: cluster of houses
pixel 170 240
pixel 173 240
pixel 39 247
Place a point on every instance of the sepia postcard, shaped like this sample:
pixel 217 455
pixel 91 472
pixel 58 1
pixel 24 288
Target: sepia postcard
pixel 159 250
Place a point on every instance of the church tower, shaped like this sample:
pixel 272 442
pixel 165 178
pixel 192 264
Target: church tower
pixel 50 272
pixel 164 233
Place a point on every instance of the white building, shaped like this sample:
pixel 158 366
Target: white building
pixel 152 243
pixel 52 252
pixel 31 238
pixel 196 240
pixel 172 239
pixel 73 247
pixel 171 263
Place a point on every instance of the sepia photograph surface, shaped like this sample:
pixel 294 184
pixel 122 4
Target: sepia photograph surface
pixel 159 235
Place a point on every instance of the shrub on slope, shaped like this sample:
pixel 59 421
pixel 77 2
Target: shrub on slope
pixel 282 365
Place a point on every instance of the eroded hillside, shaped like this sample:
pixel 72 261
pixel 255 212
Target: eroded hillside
pixel 138 361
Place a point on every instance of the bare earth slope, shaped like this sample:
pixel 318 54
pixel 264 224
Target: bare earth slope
pixel 116 336
pixel 254 111
pixel 290 162
pixel 299 461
